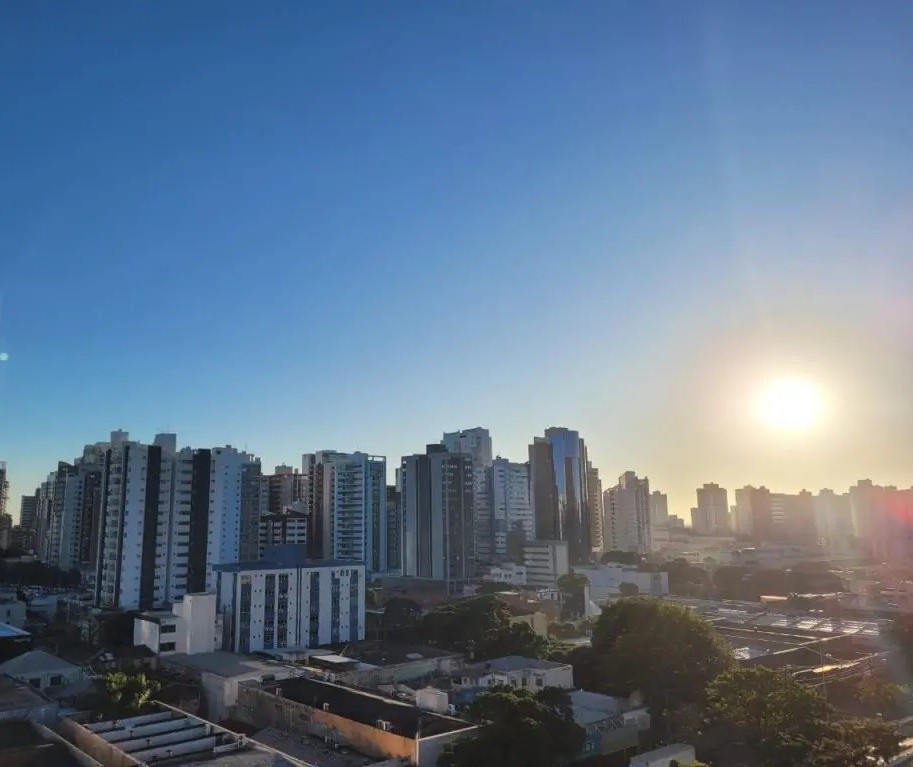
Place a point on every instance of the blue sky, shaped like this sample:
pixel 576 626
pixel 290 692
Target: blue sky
pixel 357 225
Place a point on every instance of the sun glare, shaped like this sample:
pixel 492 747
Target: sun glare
pixel 790 404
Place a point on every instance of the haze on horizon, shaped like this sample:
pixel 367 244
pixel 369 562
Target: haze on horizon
pixel 355 227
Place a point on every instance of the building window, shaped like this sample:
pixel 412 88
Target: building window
pixel 167 628
pixel 36 683
pixel 56 680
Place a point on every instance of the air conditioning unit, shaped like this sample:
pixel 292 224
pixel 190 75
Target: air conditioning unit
pixel 384 725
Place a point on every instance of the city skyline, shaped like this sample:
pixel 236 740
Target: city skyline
pixel 357 227
pixel 680 506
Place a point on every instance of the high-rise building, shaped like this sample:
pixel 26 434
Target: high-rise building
pixel 627 515
pixel 557 465
pixel 834 520
pixel 167 517
pixel 287 526
pixel 438 538
pixel 252 491
pixel 595 507
pixel 285 600
pixel 394 530
pixel 659 509
pixel 511 522
pixel 136 487
pixel 476 443
pixel 345 495
pixel 4 488
pixel 753 513
pixel 28 511
pixel 711 515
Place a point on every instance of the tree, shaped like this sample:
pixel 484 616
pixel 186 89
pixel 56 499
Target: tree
pixel 130 692
pixel 481 628
pixel 622 558
pixel 628 589
pixel 519 730
pixel 665 651
pixel 401 613
pixel 573 593
pixel 790 724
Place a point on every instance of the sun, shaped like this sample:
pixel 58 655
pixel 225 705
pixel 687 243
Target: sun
pixel 790 404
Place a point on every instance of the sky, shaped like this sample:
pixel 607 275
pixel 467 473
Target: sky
pixel 301 226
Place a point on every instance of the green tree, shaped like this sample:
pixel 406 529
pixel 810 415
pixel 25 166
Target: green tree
pixel 401 613
pixel 573 594
pixel 130 692
pixel 665 651
pixel 519 730
pixel 628 589
pixel 492 587
pixel 791 725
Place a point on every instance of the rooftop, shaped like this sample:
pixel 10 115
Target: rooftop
pixel 7 631
pixel 34 662
pixel 518 663
pixel 220 662
pixel 22 746
pixel 285 556
pixel 16 695
pixel 367 708
pixel 378 653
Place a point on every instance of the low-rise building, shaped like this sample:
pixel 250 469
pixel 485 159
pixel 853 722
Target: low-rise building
pixel 531 674
pixel 12 612
pixel 191 626
pixel 287 600
pixel 606 580
pixel 373 725
pixel 43 671
pixel 611 724
pixel 13 641
pixel 545 562
pixel 166 737
pixel 19 701
pixel 667 756
pixel 508 573
pixel 220 673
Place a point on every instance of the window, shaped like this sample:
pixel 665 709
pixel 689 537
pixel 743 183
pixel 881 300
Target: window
pixel 166 646
pixel 56 680
pixel 167 628
pixel 35 683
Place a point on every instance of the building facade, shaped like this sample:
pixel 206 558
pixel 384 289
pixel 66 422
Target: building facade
pixel 288 526
pixel 627 515
pixel 558 490
pixel 545 562
pixel 476 443
pixel 510 521
pixel 345 495
pixel 438 520
pixel 711 515
pixel 286 600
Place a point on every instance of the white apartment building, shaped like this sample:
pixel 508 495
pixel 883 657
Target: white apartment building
pixel 511 519
pixel 286 600
pixel 605 581
pixel 167 518
pixel 508 573
pixel 191 626
pixel 531 674
pixel 627 515
pixel 545 562
pixel 346 495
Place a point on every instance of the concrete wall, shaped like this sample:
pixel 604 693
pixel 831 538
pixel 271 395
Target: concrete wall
pixel 429 749
pixel 13 613
pixel 83 759
pixel 94 745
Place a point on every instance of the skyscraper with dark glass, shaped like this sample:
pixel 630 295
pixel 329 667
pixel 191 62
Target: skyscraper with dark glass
pixel 558 487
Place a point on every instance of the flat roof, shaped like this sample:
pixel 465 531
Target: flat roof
pixel 382 653
pixel 367 708
pixel 285 556
pixel 518 662
pixel 219 662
